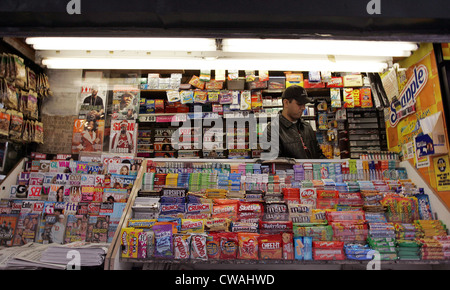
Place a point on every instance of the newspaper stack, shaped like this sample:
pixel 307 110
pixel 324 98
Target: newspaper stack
pixel 75 254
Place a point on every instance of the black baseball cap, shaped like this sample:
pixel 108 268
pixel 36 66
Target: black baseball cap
pixel 298 93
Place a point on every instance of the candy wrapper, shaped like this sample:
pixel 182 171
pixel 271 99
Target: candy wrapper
pixel 213 246
pixel 142 245
pixel 248 246
pixel 237 227
pixel 192 225
pixel 150 243
pixel 182 245
pixel 424 207
pixel 274 227
pixel 163 241
pixel 198 247
pixel 228 246
pixel 217 225
pixel 270 247
pixel 288 246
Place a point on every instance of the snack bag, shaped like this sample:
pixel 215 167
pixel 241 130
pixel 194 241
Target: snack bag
pixel 182 245
pixel 142 245
pixel 248 246
pixel 5 119
pixel 150 243
pixel 213 246
pixel 288 246
pixel 213 96
pixel 348 98
pixel 163 241
pixel 228 246
pixel 173 96
pixel 270 247
pixel 198 247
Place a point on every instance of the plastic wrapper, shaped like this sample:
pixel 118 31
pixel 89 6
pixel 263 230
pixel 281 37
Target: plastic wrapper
pixel 228 246
pixel 217 225
pixel 198 247
pixel 248 246
pixel 192 225
pixel 163 241
pixel 213 246
pixel 181 246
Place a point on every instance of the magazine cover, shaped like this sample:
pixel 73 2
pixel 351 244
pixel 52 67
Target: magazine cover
pixel 125 102
pixel 26 229
pixel 122 136
pixel 122 181
pixel 114 211
pixel 92 102
pixel 8 223
pixel 91 194
pixel 87 136
pixel 97 231
pixel 115 195
pixel 76 228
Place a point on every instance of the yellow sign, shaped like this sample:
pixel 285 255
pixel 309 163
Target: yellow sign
pixel 442 172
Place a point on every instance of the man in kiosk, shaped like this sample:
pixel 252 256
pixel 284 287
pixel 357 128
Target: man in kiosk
pixel 297 139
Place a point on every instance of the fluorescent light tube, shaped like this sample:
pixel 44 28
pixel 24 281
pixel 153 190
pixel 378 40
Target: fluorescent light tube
pixel 227 64
pixel 322 47
pixel 125 43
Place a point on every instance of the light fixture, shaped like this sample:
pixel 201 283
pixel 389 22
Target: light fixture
pixel 318 46
pixel 122 43
pixel 210 53
pixel 226 64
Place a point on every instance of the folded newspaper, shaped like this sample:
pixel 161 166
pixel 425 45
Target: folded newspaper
pixel 53 256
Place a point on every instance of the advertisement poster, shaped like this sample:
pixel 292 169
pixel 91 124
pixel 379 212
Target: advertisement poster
pixel 122 138
pixel 87 136
pixel 125 102
pixel 420 98
pixel 442 171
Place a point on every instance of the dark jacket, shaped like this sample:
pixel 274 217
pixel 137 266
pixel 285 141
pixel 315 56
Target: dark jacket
pixel 290 144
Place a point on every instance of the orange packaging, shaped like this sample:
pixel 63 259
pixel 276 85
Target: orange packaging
pixel 248 246
pixel 270 247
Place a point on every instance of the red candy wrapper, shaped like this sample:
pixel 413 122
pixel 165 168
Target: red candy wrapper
pixel 181 246
pixel 198 247
pixel 248 246
pixel 213 246
pixel 228 246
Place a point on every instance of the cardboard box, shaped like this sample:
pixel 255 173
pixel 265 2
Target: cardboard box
pixel 433 141
pixel 353 80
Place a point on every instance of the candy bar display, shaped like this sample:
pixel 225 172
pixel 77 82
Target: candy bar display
pixel 219 212
pixel 61 200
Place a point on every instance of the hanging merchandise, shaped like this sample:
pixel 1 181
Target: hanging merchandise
pixel 335 95
pixel 314 77
pixel 348 98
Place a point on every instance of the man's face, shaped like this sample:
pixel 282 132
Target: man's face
pixel 293 109
pixel 123 128
pixel 126 98
pixel 94 92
